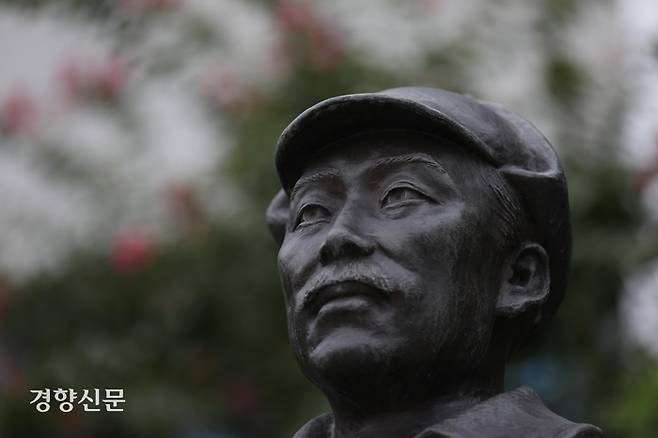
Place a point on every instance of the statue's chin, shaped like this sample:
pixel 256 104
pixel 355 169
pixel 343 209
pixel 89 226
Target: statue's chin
pixel 371 368
pixel 351 358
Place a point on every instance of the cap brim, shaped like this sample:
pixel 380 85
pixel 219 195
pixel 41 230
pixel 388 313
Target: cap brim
pixel 343 116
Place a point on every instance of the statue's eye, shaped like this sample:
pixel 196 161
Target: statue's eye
pixel 311 214
pixel 398 196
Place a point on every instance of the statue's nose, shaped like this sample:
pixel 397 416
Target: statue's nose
pixel 345 240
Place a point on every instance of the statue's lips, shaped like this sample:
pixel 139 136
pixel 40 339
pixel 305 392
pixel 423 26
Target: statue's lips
pixel 344 292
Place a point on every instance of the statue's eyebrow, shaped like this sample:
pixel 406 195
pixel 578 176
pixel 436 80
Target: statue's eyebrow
pixel 312 178
pixel 409 158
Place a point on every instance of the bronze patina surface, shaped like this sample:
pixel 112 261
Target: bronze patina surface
pixel 424 236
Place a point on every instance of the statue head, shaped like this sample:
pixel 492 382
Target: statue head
pixel 424 236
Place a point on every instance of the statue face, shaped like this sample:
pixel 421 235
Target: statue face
pixel 388 262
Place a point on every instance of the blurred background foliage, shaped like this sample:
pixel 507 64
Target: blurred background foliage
pixel 132 204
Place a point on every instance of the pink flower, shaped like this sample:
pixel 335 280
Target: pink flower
pixel 311 38
pixel 105 80
pixel 325 49
pixel 17 112
pixel 109 79
pixel 644 177
pixel 280 58
pixel 131 250
pixel 226 89
pixel 72 81
pixel 294 15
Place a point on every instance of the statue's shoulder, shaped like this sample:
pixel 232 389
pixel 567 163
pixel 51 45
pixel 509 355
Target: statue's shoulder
pixel 513 414
pixel 516 413
pixel 319 427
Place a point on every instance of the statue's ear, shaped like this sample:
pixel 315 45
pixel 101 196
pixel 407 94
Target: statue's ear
pixel 277 216
pixel 526 282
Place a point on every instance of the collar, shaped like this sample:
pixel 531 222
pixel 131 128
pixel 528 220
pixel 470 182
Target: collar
pixel 516 413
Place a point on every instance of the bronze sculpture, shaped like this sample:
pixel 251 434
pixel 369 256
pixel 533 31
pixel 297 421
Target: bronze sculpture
pixel 424 236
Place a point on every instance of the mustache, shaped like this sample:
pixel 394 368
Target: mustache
pixel 369 275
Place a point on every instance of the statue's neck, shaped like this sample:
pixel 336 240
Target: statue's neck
pixel 402 423
pixel 408 416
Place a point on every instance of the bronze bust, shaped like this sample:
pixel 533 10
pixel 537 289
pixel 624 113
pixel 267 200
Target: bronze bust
pixel 424 236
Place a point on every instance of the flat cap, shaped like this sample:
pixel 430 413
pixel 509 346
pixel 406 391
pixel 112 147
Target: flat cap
pixel 520 153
